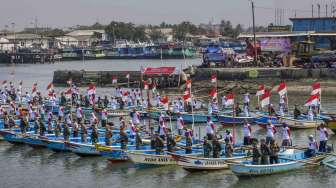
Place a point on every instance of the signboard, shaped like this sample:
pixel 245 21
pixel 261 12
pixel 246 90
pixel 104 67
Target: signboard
pixel 276 44
pixel 285 28
pixel 159 71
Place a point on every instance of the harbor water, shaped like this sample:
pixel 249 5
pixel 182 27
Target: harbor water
pixel 22 166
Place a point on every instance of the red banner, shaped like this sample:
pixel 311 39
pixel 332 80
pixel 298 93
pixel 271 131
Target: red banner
pixel 159 71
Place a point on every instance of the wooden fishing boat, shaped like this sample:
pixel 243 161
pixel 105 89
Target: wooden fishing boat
pixel 263 119
pixel 116 154
pixel 36 141
pixel 13 137
pixel 82 149
pixel 193 163
pixel 197 118
pixel 288 161
pixel 227 119
pixel 300 123
pixel 58 145
pixel 150 158
pixel 330 162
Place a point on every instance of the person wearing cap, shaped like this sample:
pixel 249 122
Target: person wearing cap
pixel 286 135
pixel 323 137
pixel 247 130
pixel 207 147
pixel 312 147
pixel 217 148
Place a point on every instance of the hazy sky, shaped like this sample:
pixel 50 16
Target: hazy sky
pixel 64 13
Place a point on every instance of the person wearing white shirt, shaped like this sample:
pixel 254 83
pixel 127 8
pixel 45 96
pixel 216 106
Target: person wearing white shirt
pixel 180 124
pixel 310 114
pixel 270 133
pixel 210 129
pixel 323 137
pixel 286 134
pixel 312 147
pixel 247 130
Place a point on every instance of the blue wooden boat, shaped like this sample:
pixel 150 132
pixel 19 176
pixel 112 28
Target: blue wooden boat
pixel 116 154
pixel 197 118
pixel 226 119
pixel 36 141
pixel 58 144
pixel 289 160
pixel 14 136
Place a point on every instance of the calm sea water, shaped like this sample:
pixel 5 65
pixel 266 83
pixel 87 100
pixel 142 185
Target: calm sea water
pixel 22 166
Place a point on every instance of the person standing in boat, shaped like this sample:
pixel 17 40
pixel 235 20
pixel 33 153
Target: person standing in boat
pixel 207 147
pixel 79 114
pixel 312 147
pixel 103 117
pixel 210 128
pixel 42 127
pixel 282 105
pixel 58 128
pixel 61 113
pixel 286 136
pixel 265 152
pixel 135 117
pixel 228 149
pixel 75 129
pixel 94 134
pixel 274 152
pixel 323 137
pixel 255 153
pixel 159 144
pixel 6 120
pixel 217 148
pixel 228 136
pixel 50 127
pixel 132 129
pixel 247 99
pixel 108 135
pixel 310 114
pixel 162 130
pixel 171 143
pixel 271 111
pixel 297 112
pixel 83 133
pixel 123 139
pixel 188 146
pixel 224 100
pixel 180 124
pixel 138 139
pixel 247 131
pixel 36 126
pixel 66 132
pixel 238 110
pixel 68 119
pixel 271 130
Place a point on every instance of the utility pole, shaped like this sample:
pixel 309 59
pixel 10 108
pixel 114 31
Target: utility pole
pixel 254 33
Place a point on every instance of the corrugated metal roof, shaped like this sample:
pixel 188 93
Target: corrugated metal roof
pixel 85 32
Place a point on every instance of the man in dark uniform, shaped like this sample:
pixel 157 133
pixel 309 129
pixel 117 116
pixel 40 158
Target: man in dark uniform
pixel 171 143
pixel 66 132
pixel 217 148
pixel 297 112
pixel 255 153
pixel 123 139
pixel 207 148
pixel 83 133
pixel 94 134
pixel 58 129
pixel 159 144
pixel 138 140
pixel 108 135
pixel 188 147
pixel 265 152
pixel 42 127
pixel 228 149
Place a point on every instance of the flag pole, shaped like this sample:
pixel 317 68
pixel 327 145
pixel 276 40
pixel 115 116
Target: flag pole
pixel 192 110
pixel 287 103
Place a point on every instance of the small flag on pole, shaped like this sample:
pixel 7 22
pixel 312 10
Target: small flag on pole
pixel 282 89
pixel 213 78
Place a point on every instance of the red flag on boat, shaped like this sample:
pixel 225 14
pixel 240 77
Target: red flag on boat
pixel 114 79
pixel 261 90
pixel 165 102
pixel 188 83
pixel 126 93
pixel 213 93
pixel 213 78
pixel 145 85
pixel 230 99
pixel 316 88
pixel 265 99
pixel 91 89
pixel 34 89
pixel 282 89
pixel 50 86
pixel 186 96
pixel 313 100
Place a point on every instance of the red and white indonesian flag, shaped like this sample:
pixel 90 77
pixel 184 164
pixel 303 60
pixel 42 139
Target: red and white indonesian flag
pixel 213 78
pixel 213 93
pixel 127 76
pixel 91 89
pixel 187 96
pixel 313 100
pixel 50 86
pixel 261 90
pixel 316 88
pixel 34 89
pixel 126 94
pixel 114 79
pixel 265 99
pixel 68 91
pixel 145 85
pixel 52 95
pixel 188 83
pixel 230 99
pixel 282 89
pixel 165 102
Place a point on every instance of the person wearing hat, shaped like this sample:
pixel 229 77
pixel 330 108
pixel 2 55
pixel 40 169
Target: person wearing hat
pixel 312 147
pixel 323 137
pixel 207 147
pixel 286 135
pixel 228 136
